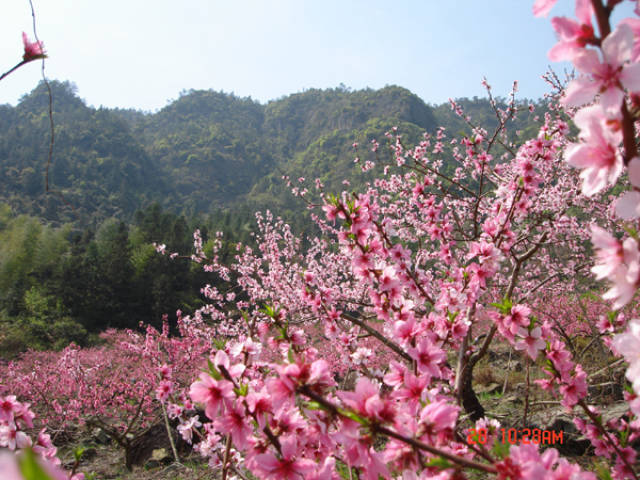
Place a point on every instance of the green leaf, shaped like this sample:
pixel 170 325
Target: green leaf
pixel 352 415
pixel 242 390
pixel 30 468
pixel 245 316
pixel 78 452
pixel 332 199
pixel 268 311
pixel 439 462
pixel 219 343
pixel 313 406
pixel 290 356
pixel 504 307
pixel 603 472
pixel 500 450
pixel 631 231
pixel 624 436
pixel 213 371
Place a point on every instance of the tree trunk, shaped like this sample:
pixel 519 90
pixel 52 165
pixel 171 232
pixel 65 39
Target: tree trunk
pixel 464 376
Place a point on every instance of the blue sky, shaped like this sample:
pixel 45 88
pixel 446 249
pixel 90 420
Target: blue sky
pixel 141 54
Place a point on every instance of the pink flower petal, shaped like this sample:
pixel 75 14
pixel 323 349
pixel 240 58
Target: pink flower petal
pixel 630 77
pixel 634 171
pixel 587 61
pixel 541 8
pixel 634 24
pixel 584 10
pixel 611 99
pixel 617 46
pixel 577 155
pixel 628 206
pixel 580 91
pixel 562 51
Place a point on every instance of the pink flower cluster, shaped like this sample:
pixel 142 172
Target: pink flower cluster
pixel 609 80
pixel 357 353
pixel 15 417
pixel 400 291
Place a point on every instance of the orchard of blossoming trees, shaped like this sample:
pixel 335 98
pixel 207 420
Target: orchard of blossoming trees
pixel 354 357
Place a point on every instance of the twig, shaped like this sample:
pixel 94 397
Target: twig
pixel 606 368
pixel 225 459
pixel 373 332
pixel 51 124
pixel 168 427
pixel 506 377
pixel 526 395
pixel 9 72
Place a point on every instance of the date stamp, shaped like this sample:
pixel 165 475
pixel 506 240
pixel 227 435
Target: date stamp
pixel 514 436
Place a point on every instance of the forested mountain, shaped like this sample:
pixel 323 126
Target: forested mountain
pixel 98 164
pixel 72 266
pixel 203 152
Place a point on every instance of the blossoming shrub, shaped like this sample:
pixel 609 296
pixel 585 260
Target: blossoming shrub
pixel 356 355
pixel 117 387
pixel 431 263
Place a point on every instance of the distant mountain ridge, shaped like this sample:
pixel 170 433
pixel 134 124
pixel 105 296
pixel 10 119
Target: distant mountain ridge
pixel 204 151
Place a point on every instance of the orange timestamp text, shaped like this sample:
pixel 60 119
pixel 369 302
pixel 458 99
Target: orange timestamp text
pixel 513 436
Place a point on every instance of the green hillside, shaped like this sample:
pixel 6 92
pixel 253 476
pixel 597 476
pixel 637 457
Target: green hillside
pixel 203 152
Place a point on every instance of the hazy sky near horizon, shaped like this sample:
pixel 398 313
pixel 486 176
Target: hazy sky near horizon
pixel 142 54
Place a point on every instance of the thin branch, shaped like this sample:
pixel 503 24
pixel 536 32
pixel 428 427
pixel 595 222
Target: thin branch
pixel 374 333
pixel 51 124
pixel 9 72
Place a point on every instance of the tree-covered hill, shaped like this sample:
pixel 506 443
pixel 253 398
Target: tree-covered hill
pixel 99 166
pixel 203 152
pixel 71 267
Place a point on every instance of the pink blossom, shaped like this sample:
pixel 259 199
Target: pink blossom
pixel 286 466
pixel 32 50
pixel 8 407
pixel 628 205
pixel 212 393
pixel 634 24
pixel 44 447
pixel 24 415
pixel 598 155
pixel 165 389
pixel 233 421
pixel 186 428
pixel 366 401
pixel 428 356
pixel 634 171
pixel 608 253
pixel 530 341
pixel 572 36
pixel 326 471
pixel 9 466
pixel 518 317
pixel 574 388
pixel 628 345
pixel 439 415
pixel 259 404
pixel 608 77
pixel 13 438
pixel 626 277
